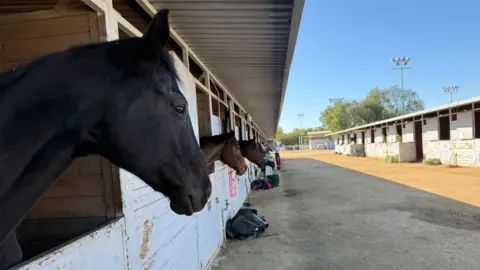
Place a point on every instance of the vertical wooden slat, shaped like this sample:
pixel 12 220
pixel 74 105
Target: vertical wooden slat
pixel 1 59
pixel 108 189
pixel 93 23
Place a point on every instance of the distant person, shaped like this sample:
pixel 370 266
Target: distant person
pixel 276 148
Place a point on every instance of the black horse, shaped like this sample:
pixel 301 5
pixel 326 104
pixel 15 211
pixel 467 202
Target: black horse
pixel 119 99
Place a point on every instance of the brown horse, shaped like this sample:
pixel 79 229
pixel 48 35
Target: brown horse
pixel 253 151
pixel 223 147
pixel 119 99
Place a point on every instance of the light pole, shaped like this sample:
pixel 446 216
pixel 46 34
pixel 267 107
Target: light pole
pixel 450 89
pixel 402 62
pixel 300 139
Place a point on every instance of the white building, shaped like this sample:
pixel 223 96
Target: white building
pixel 98 216
pixel 319 138
pixel 450 133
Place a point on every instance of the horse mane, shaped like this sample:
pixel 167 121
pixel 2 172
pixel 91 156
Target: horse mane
pixel 12 76
pixel 217 139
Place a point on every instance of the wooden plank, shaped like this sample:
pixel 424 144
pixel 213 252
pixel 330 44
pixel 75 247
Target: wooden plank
pixel 117 190
pixel 77 186
pixel 85 165
pixel 43 28
pixel 108 189
pixel 26 50
pixel 68 207
pixel 2 67
pixel 37 15
pixel 126 26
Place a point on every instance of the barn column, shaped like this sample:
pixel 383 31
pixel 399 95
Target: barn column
pixel 232 114
pixel 107 18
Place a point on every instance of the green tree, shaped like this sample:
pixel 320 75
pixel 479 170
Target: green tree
pixel 372 108
pixel 339 116
pixel 378 105
pixel 280 134
pixel 400 101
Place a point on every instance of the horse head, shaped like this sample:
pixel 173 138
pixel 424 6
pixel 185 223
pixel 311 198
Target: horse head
pixel 232 155
pixel 223 147
pixel 146 126
pixel 253 151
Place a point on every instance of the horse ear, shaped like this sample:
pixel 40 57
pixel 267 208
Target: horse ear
pixel 158 32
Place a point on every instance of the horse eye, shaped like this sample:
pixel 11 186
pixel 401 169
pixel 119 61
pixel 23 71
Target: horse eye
pixel 180 109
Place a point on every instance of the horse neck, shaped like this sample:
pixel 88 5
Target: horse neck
pixel 36 178
pixel 32 118
pixel 213 151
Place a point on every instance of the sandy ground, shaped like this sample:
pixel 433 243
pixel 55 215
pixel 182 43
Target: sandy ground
pixel 462 184
pixel 327 217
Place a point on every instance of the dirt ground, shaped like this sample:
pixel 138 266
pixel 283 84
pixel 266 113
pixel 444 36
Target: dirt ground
pixel 461 184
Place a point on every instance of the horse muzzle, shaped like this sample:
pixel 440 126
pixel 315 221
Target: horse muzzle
pixel 189 204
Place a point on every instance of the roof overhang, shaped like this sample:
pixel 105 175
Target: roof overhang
pixel 248 46
pixel 318 133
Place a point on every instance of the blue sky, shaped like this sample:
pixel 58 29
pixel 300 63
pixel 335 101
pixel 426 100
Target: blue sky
pixel 344 48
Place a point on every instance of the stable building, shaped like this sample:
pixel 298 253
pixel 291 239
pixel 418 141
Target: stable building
pixel 319 139
pixel 230 56
pixel 450 133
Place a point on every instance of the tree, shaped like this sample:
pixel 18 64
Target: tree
pixel 279 134
pixel 372 108
pixel 378 105
pixel 291 138
pixel 340 116
pixel 400 101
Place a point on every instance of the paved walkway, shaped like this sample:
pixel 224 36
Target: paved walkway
pixel 328 217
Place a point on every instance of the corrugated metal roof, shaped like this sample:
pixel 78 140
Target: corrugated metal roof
pixel 247 44
pixel 410 115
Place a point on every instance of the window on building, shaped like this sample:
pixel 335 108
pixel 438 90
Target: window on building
pixel 399 130
pixel 372 136
pixel 444 128
pixel 403 125
pixel 454 117
pixel 384 133
pixel 424 122
pixel 477 124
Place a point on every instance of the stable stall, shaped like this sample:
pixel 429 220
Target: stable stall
pixel 448 133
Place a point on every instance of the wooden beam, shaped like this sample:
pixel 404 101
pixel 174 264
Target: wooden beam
pixel 126 26
pixel 207 81
pixel 202 76
pixel 186 62
pixel 207 91
pixel 100 6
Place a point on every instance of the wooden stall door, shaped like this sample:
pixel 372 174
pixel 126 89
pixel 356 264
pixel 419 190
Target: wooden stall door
pixel 87 194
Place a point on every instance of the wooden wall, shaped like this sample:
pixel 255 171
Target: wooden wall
pixel 88 193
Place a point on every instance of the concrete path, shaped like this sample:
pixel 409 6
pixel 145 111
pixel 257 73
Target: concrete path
pixel 327 217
